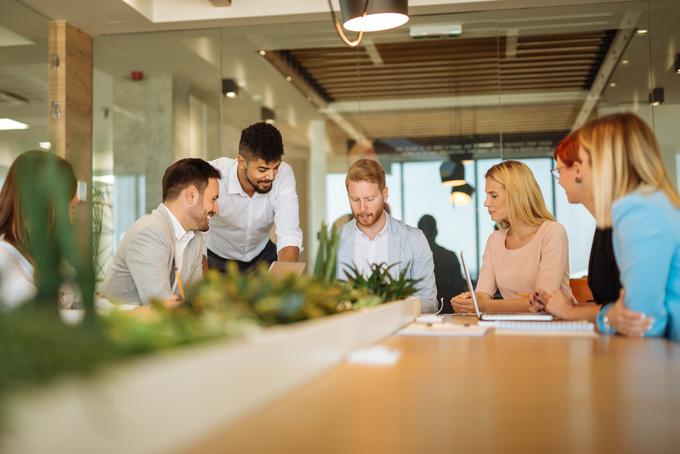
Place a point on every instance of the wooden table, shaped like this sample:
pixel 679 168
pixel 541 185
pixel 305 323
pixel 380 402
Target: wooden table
pixel 489 394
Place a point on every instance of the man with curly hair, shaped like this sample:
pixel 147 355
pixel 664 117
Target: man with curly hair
pixel 257 191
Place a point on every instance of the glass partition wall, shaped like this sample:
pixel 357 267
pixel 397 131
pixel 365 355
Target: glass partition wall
pixel 23 82
pixel 446 91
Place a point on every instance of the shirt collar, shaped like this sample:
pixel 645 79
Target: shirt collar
pixel 235 185
pixel 180 233
pixel 384 230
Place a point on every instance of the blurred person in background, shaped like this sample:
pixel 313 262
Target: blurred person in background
pixel 17 276
pixel 447 272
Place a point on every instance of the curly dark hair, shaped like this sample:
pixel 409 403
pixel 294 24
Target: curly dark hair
pixel 261 141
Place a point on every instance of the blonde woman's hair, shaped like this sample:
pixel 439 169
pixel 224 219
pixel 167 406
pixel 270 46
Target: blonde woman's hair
pixel 625 157
pixel 525 199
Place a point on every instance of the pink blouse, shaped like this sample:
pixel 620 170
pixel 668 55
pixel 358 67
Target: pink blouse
pixel 542 264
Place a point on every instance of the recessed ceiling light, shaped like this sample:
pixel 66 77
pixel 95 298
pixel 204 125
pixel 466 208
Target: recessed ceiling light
pixel 45 145
pixel 624 62
pixel 288 78
pixel 612 84
pixel 262 52
pixel 642 31
pixel 7 124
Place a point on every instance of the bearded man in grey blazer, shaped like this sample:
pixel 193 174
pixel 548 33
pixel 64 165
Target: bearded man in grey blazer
pixel 373 236
pixel 163 250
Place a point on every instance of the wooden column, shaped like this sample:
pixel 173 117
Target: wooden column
pixel 70 104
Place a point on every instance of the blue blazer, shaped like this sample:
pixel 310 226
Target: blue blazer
pixel 406 245
pixel 646 234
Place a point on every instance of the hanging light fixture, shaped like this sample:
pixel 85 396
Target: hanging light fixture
pixel 368 16
pixel 229 88
pixel 380 14
pixel 461 195
pixel 267 115
pixel 452 173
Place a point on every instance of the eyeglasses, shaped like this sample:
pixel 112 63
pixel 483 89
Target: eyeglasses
pixel 556 172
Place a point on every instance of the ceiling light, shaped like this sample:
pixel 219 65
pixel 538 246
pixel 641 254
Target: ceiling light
pixel 656 97
pixel 461 195
pixel 452 173
pixel 7 124
pixel 229 88
pixel 676 64
pixel 624 62
pixel 262 52
pixel 368 16
pixel 642 31
pixel 380 14
pixel 267 115
pixel 612 84
pixel 45 145
pixel 289 78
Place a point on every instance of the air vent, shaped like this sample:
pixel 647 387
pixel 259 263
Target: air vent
pixel 435 31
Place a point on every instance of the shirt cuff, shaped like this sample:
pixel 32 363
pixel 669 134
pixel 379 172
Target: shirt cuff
pixel 288 241
pixel 601 327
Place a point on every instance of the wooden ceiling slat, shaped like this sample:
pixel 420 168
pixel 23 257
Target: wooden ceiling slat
pixel 451 76
pixel 446 82
pixel 334 66
pixel 395 93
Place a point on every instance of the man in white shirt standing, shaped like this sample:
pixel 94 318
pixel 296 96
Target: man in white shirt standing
pixel 257 191
pixel 163 251
pixel 374 236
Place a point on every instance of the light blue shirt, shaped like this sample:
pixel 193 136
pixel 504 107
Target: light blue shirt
pixel 407 246
pixel 646 234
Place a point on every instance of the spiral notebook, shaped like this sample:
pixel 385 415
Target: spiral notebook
pixel 554 328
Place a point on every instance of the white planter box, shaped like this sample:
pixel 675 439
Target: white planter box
pixel 168 400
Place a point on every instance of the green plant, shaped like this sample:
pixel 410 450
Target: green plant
pixel 381 283
pixel 325 265
pixel 259 297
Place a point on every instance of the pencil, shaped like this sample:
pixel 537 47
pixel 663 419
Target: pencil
pixel 180 287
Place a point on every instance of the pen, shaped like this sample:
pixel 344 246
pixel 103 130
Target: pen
pixel 180 287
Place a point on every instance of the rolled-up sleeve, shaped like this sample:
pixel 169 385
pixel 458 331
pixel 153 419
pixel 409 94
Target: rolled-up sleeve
pixel 287 211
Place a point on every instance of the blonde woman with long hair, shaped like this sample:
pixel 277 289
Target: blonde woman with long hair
pixel 633 195
pixel 529 251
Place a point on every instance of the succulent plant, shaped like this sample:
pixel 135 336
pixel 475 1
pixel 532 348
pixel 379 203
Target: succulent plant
pixel 381 283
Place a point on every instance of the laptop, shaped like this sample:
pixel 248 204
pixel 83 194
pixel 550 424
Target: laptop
pixel 283 269
pixel 523 316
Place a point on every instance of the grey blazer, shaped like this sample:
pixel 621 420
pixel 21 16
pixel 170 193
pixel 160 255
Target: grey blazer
pixel 406 245
pixel 144 264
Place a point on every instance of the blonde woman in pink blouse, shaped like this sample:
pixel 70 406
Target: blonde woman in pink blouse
pixel 529 252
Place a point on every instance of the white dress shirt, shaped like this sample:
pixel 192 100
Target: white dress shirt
pixel 367 251
pixel 240 229
pixel 16 276
pixel 182 238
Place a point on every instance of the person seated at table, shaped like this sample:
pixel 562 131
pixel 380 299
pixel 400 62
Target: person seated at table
pixel 603 273
pixel 163 250
pixel 374 236
pixel 17 278
pixel 529 251
pixel 634 196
